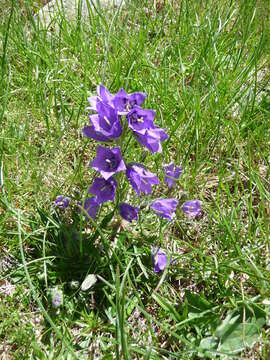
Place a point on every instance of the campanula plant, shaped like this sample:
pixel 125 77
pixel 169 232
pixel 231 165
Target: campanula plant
pixel 113 119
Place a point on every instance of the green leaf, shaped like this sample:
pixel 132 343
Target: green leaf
pixel 235 334
pixel 103 225
pixel 226 324
pixel 167 306
pixel 197 303
pixel 209 343
pixel 239 330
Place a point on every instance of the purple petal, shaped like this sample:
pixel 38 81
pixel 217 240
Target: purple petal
pixel 91 206
pixel 159 132
pixel 165 207
pixel 104 94
pixel 128 212
pixel 141 179
pixel 151 139
pixel 93 102
pixel 108 161
pixel 137 98
pixel 105 125
pixel 108 114
pixel 89 131
pixel 140 119
pixel 103 189
pixel 120 101
pixel 172 174
pixel 192 207
pixel 124 102
pixel 160 260
pixel 62 202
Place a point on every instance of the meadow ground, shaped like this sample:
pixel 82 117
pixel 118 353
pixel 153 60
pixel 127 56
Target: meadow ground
pixel 205 68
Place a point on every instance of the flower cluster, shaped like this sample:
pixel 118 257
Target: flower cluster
pixel 113 118
pixel 113 114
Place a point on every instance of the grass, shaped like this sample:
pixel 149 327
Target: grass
pixel 204 66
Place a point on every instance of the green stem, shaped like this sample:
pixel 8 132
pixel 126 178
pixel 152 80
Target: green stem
pixel 160 232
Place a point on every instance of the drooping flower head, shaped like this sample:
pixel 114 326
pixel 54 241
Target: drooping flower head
pixel 160 260
pixel 104 126
pixel 103 189
pixel 108 161
pixel 141 119
pixel 128 212
pixel 124 102
pixel 62 202
pixel 91 206
pixel 172 174
pixel 165 207
pixel 141 179
pixel 151 139
pixel 192 208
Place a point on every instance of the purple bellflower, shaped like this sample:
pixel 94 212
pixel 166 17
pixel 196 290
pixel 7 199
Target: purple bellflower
pixel 151 139
pixel 105 125
pixel 141 122
pixel 141 119
pixel 192 208
pixel 62 202
pixel 160 260
pixel 165 207
pixel 172 174
pixel 128 212
pixel 141 179
pixel 108 161
pixel 103 189
pixel 124 102
pixel 91 206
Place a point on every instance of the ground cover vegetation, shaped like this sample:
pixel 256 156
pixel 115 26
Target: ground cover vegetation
pixel 79 286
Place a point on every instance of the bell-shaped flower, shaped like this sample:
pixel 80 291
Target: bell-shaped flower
pixel 165 207
pixel 192 208
pixel 128 212
pixel 104 126
pixel 172 174
pixel 141 119
pixel 108 161
pixel 160 260
pixel 151 139
pixel 141 179
pixel 62 202
pixel 103 189
pixel 124 102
